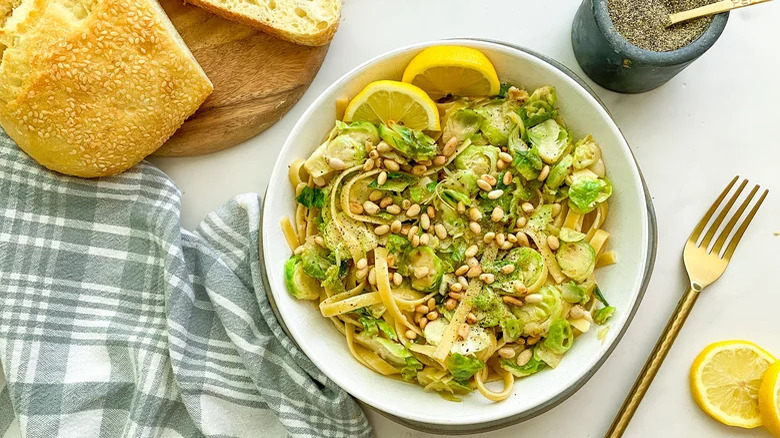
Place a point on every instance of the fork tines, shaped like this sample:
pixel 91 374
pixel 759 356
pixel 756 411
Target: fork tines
pixel 724 232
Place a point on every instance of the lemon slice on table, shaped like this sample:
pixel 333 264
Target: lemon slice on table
pixel 386 100
pixel 460 71
pixel 769 399
pixel 725 378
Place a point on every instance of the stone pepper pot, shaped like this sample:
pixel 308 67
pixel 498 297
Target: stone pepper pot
pixel 616 64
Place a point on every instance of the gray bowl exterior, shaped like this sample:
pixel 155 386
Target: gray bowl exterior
pixel 616 64
pixel 505 422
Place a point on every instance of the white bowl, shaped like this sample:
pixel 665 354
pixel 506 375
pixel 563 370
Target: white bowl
pixel 630 223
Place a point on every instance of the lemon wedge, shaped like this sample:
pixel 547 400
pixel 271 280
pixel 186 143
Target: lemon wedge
pixel 725 378
pixel 460 71
pixel 387 100
pixel 769 399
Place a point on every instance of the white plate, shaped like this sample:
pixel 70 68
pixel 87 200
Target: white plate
pixel 630 223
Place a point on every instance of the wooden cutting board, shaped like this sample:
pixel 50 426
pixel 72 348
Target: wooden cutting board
pixel 257 79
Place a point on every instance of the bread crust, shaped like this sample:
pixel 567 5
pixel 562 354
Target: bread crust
pixel 318 39
pixel 107 83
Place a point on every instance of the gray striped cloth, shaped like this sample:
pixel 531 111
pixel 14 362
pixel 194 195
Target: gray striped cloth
pixel 116 322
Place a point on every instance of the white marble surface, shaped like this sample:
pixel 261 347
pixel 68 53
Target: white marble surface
pixel 716 119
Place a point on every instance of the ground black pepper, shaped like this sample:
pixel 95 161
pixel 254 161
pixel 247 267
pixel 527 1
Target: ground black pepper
pixel 643 22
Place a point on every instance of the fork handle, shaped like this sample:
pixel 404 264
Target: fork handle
pixel 653 364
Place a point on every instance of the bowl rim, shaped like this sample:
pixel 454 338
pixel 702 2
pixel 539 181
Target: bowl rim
pixel 554 400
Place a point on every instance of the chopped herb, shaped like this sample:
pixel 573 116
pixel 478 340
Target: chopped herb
pixel 311 197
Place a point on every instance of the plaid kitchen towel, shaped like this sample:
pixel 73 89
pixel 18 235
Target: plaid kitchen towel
pixel 115 322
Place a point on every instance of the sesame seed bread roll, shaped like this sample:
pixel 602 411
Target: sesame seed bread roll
pixel 91 87
pixel 306 22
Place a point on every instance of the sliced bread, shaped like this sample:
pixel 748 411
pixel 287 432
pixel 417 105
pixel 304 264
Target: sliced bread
pixel 91 87
pixel 307 22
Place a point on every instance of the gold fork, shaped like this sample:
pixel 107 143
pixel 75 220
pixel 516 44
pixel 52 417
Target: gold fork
pixel 704 266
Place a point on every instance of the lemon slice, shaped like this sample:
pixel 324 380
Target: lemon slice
pixel 725 378
pixel 769 399
pixel 460 71
pixel 404 103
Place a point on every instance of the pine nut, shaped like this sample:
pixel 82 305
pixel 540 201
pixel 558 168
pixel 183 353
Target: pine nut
pixel 439 160
pixel 462 270
pixel 534 298
pixel 362 263
pixel 556 209
pixel 474 271
pixel 472 261
pixel 433 315
pixel 474 227
pixel 423 322
pixel 299 250
pixel 319 241
pixel 372 276
pixel 382 178
pixel 405 204
pixel 413 211
pixel 500 239
pixel 449 147
pixel 394 209
pixel 425 239
pixel 336 163
pixel 471 251
pixel 396 226
pixel 384 147
pixel 506 352
pixel 318 180
pixel 524 357
pixel 415 241
pixel 419 169
pixel 462 280
pixel 488 278
pixel 545 172
pixel 489 236
pixel 381 230
pixel 484 185
pixel 495 194
pixel 355 208
pixel 373 154
pixel 375 195
pixel 507 178
pixel 520 288
pixel 368 165
pixel 475 214
pixel 471 318
pixel 463 331
pixel 450 304
pixel 431 212
pixel 421 271
pixel 370 207
pixel 527 207
pixel 508 269
pixel 405 229
pixel 553 242
pixel 505 157
pixel 511 238
pixel 511 300
pixel 490 179
pixel 497 215
pixel 397 279
pixel 501 165
pixel 422 308
pixel 425 222
pixel 533 341
pixel 577 312
pixel 461 207
pixel 522 239
pixel 385 202
pixel 411 335
pixel 441 232
pixel 507 245
pixel 390 260
pixel 521 222
pixel 392 165
pixel 431 303
pixel 455 295
pixel 413 231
